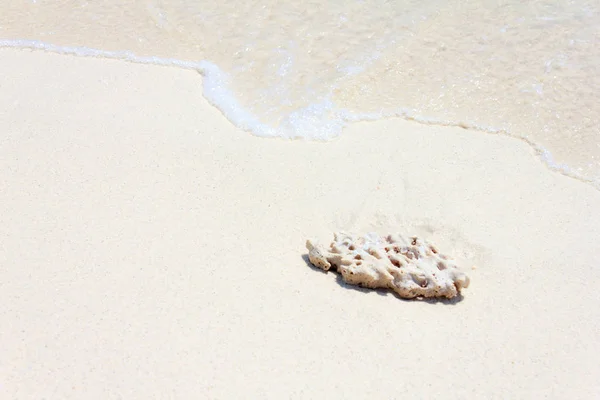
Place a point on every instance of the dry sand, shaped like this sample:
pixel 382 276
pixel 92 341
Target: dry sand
pixel 149 249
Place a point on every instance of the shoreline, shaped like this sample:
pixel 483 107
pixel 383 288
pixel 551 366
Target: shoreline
pixel 152 249
pixel 206 68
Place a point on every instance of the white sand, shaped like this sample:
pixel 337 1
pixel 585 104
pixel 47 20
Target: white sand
pixel 148 249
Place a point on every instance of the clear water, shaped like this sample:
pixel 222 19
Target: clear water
pixel 307 69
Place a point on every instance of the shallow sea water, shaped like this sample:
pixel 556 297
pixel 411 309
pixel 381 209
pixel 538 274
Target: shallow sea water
pixel 307 69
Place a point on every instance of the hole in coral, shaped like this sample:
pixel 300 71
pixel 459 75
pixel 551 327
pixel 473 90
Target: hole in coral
pixel 433 249
pixel 374 253
pixel 396 263
pixel 420 280
pixel 352 247
pixel 414 241
pixel 357 257
pixel 357 263
pixel 441 266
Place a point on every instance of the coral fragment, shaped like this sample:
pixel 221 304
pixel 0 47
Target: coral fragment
pixel 411 267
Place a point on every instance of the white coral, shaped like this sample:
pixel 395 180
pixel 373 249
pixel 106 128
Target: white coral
pixel 409 266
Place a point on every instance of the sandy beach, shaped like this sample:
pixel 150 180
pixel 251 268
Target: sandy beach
pixel 150 249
